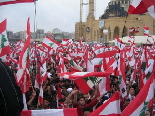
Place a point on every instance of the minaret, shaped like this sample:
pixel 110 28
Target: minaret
pixel 90 19
pixel 91 9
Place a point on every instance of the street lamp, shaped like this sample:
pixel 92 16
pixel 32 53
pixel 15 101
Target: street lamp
pixel 105 32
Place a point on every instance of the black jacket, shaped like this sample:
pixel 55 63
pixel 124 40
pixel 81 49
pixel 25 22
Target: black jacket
pixel 11 99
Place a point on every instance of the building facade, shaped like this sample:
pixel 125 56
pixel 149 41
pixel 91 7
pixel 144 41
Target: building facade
pixel 40 34
pixel 115 20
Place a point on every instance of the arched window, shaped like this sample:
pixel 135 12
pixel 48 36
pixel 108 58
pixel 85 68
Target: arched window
pixel 116 32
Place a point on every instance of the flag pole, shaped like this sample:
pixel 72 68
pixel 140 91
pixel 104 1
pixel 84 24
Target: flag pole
pixel 35 36
pixel 35 20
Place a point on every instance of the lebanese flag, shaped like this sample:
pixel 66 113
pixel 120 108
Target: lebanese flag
pixel 62 65
pixel 107 54
pixel 4 43
pixel 146 30
pixel 140 104
pixel 137 7
pixel 24 55
pixel 104 85
pixel 5 2
pixel 40 97
pixel 109 108
pixel 64 42
pixel 142 6
pixel 148 72
pixel 50 112
pixel 50 43
pixel 119 43
pixel 134 30
pixel 73 66
pixel 122 76
pixel 149 5
pixel 86 84
pixel 77 75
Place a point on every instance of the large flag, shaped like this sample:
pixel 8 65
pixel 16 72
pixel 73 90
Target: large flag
pixel 107 54
pixel 50 43
pixel 137 7
pixel 5 2
pixel 4 43
pixel 50 112
pixel 149 5
pixel 77 75
pixel 109 108
pixel 142 6
pixel 24 55
pixel 86 84
pixel 140 104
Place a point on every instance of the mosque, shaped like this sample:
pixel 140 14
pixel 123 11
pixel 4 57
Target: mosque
pixel 115 21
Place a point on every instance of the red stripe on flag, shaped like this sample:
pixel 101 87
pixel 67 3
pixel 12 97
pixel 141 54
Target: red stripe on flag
pixel 70 112
pixel 53 41
pixel 17 1
pixel 140 98
pixel 138 10
pixel 26 113
pixel 113 98
pixel 82 84
pixel 26 45
pixel 5 50
pixel 3 26
pixel 106 54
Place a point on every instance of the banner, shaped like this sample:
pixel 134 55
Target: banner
pixel 101 24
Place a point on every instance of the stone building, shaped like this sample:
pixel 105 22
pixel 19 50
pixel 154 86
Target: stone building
pixel 115 20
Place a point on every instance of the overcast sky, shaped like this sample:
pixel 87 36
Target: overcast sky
pixel 62 14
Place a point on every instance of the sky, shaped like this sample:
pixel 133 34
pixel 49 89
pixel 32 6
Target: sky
pixel 50 14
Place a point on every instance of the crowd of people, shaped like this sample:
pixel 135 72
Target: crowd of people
pixel 71 95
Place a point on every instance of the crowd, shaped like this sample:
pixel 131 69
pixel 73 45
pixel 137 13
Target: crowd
pixel 71 96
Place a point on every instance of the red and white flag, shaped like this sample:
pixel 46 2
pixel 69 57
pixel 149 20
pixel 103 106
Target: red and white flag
pixel 142 6
pixel 4 43
pixel 119 43
pixel 107 54
pixel 64 42
pixel 137 7
pixel 109 108
pixel 24 55
pixel 50 43
pixel 131 39
pixel 40 97
pixel 50 112
pixel 150 6
pixel 141 103
pixel 146 31
pixel 5 2
pixel 77 75
pixel 86 84
pixel 134 30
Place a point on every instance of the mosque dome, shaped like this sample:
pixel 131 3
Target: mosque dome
pixel 116 8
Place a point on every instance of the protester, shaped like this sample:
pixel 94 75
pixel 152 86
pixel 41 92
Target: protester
pixel 60 92
pixel 86 111
pixel 11 99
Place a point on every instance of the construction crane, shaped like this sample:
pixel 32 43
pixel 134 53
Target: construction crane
pixel 80 24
